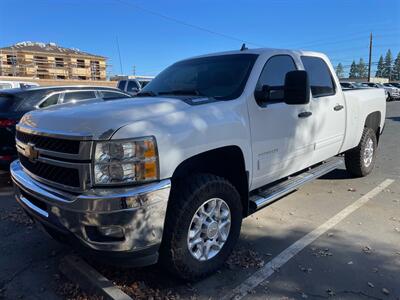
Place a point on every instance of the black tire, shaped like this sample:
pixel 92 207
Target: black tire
pixel 354 158
pixel 186 198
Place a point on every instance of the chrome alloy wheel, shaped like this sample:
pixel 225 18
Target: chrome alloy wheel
pixel 209 229
pixel 368 152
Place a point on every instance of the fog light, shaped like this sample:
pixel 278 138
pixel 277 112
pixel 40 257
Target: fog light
pixel 111 231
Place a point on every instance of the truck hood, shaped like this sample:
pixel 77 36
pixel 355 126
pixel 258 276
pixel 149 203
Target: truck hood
pixel 99 120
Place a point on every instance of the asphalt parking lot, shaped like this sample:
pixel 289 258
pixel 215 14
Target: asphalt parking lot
pixel 336 238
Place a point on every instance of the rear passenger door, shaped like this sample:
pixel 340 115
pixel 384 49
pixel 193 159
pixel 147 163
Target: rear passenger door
pixel 327 107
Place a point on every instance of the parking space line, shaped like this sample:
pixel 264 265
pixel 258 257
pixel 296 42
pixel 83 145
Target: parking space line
pixel 262 274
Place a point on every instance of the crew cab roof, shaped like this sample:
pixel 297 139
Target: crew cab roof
pixel 260 51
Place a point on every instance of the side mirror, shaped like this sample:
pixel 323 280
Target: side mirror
pixel 297 88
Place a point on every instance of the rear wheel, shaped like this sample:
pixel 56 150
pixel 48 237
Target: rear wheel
pixel 202 226
pixel 361 160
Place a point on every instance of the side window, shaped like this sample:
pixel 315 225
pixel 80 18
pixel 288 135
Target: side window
pixel 121 85
pixel 77 96
pixel 132 85
pixel 52 100
pixel 321 81
pixel 113 95
pixel 273 75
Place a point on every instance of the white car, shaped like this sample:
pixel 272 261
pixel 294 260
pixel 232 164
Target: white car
pixel 9 84
pixel 170 175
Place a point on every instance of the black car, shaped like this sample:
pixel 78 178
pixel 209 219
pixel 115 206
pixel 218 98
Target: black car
pixel 14 103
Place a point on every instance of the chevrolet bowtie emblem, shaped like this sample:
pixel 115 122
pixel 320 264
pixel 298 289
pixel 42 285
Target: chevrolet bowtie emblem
pixel 31 152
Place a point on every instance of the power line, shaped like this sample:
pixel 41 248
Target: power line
pixel 172 19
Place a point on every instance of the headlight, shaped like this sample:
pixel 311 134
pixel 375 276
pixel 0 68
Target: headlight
pixel 125 161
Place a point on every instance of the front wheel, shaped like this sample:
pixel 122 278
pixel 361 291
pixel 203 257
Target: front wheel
pixel 202 226
pixel 361 160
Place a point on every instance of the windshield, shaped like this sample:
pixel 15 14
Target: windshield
pixel 221 77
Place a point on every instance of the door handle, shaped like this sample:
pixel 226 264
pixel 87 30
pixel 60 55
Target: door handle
pixel 305 114
pixel 338 107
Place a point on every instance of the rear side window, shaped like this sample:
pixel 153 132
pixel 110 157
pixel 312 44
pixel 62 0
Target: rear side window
pixel 320 77
pixel 6 102
pixel 121 85
pixel 52 100
pixel 78 96
pixel 132 85
pixel 273 75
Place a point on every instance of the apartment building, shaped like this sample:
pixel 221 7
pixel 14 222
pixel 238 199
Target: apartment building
pixel 50 61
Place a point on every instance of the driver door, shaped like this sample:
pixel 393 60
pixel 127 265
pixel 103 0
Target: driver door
pixel 281 134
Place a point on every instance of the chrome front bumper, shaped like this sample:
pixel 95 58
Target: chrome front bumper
pixel 138 212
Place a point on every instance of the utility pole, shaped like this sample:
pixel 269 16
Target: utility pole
pixel 369 58
pixel 119 55
pixel 134 70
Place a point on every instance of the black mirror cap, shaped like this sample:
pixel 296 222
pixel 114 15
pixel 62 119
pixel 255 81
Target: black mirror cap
pixel 261 95
pixel 297 88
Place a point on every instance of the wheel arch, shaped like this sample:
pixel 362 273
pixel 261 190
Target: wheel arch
pixel 373 121
pixel 227 162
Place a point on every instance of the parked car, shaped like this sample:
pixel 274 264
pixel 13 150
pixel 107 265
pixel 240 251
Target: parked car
pixel 9 84
pixel 348 85
pixel 170 176
pixel 395 84
pixel 133 86
pixel 393 90
pixel 14 103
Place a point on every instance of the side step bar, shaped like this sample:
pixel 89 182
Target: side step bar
pixel 265 196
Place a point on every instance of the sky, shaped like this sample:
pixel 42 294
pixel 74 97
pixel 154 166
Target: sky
pixel 154 34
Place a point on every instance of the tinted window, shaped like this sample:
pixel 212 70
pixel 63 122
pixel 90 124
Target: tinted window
pixel 121 85
pixel 320 77
pixel 29 99
pixel 273 75
pixel 77 96
pixel 6 102
pixel 52 100
pixel 132 85
pixel 144 83
pixel 113 95
pixel 221 77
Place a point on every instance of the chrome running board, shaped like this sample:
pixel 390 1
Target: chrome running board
pixel 267 195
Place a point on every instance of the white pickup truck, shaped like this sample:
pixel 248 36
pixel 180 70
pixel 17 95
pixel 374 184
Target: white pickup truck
pixel 169 176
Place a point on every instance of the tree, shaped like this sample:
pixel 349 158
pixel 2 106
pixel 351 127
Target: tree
pixel 381 66
pixel 339 70
pixel 353 70
pixel 396 68
pixel 387 71
pixel 362 71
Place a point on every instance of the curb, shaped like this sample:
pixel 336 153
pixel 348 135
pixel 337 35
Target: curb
pixel 80 272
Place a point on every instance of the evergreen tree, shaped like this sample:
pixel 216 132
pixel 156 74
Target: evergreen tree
pixel 353 70
pixel 379 70
pixel 396 68
pixel 339 70
pixel 362 71
pixel 387 71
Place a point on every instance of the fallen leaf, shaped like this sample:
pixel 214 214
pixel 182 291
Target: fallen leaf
pixel 385 291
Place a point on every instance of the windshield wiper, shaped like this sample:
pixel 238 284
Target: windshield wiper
pixel 182 92
pixel 146 94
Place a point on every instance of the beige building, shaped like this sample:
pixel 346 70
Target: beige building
pixel 50 61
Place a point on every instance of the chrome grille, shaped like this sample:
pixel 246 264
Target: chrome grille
pixel 49 143
pixel 61 175
pixel 59 160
